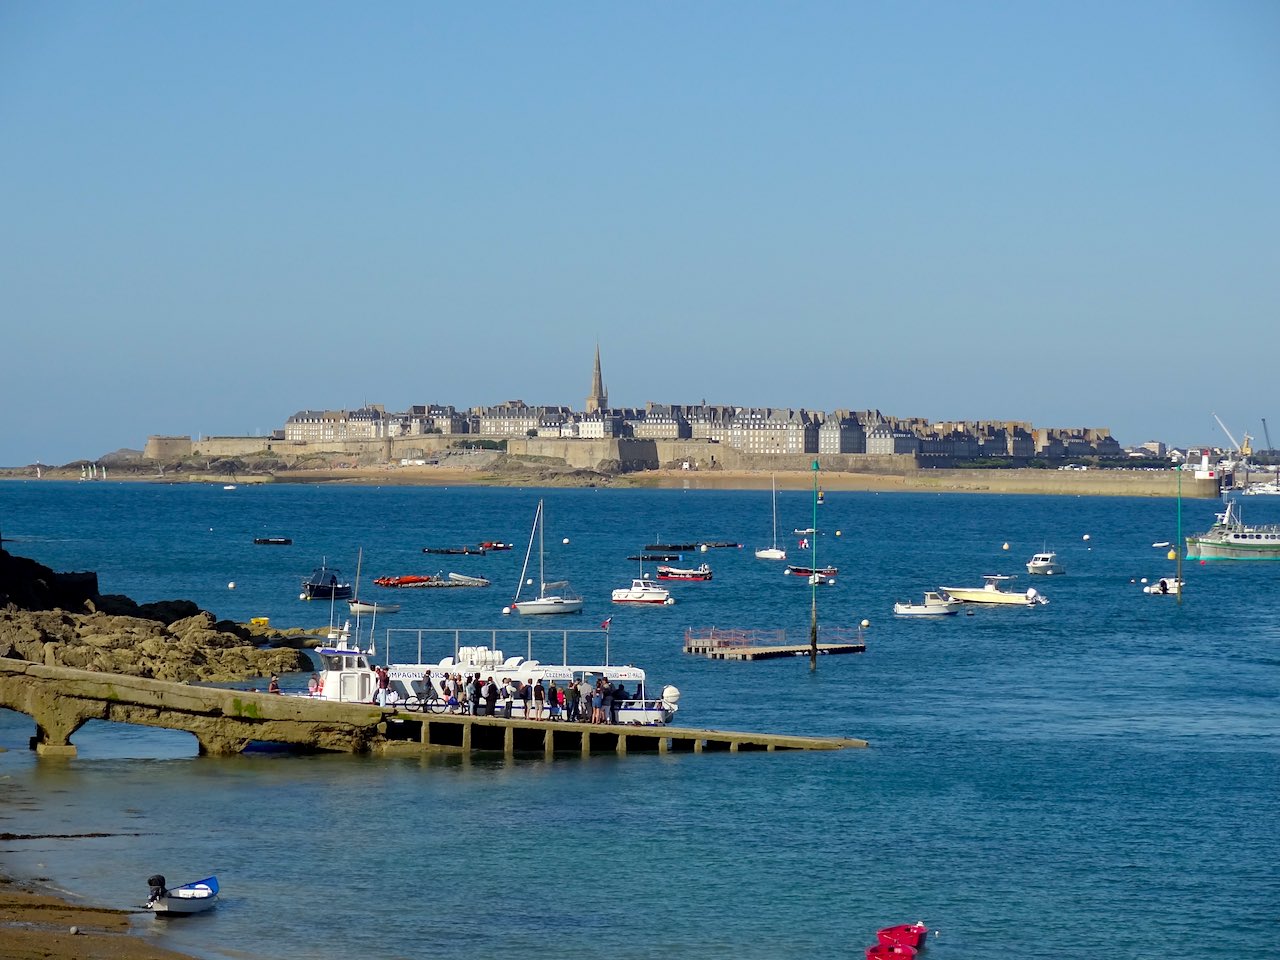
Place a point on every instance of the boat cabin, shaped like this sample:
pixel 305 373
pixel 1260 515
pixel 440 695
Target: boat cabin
pixel 346 674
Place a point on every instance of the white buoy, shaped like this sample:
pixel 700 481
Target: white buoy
pixel 1006 545
pixel 231 585
pixel 528 581
pixel 565 541
pixel 865 624
pixel 1143 580
pixel 302 596
pixel 1086 536
pixel 703 548
pixel 837 533
pixel 506 610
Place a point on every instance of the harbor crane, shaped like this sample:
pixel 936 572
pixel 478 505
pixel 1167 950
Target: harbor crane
pixel 1243 449
pixel 1267 433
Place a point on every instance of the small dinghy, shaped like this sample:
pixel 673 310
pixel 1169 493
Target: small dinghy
pixel 890 951
pixel 194 897
pixel 935 605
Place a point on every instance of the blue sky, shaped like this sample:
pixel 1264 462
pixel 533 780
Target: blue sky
pixel 218 214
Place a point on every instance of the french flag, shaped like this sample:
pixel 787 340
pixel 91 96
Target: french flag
pixel 605 625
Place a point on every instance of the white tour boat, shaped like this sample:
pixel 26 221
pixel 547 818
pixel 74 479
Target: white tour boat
pixel 991 593
pixel 935 605
pixel 348 674
pixel 644 591
pixel 1046 563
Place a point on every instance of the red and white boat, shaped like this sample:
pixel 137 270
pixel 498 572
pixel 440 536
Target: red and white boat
pixel 410 580
pixel 494 545
pixel 643 591
pixel 905 934
pixel 702 572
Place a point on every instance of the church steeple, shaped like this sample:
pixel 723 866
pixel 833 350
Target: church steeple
pixel 599 399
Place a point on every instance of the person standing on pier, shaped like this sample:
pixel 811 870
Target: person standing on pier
pixel 526 694
pixel 490 697
pixel 571 701
pixel 539 698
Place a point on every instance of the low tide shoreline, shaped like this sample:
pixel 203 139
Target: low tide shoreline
pixel 36 924
pixel 1139 483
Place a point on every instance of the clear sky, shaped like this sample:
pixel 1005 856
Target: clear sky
pixel 217 214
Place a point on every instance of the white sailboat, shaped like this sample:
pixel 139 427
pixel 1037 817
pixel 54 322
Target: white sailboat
pixel 545 602
pixel 774 552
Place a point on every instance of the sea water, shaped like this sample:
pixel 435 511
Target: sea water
pixel 1097 776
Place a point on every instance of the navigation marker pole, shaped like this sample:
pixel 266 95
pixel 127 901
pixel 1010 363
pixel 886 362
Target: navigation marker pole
pixel 1179 545
pixel 813 580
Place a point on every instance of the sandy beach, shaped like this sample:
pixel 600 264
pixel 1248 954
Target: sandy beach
pixel 35 924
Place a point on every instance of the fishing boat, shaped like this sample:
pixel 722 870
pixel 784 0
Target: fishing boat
pixel 935 605
pixel 644 591
pixel 718 544
pixel 990 593
pixel 671 547
pixel 325 583
pixel 774 552
pixel 1046 563
pixel 494 545
pixel 1230 539
pixel 456 551
pixel 462 580
pixel 547 601
pixel 657 557
pixel 1164 587
pixel 195 897
pixel 701 572
pixel 273 541
pixel 347 672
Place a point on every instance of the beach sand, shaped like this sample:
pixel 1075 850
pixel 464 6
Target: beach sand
pixel 36 925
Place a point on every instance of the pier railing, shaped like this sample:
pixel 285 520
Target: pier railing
pixel 720 637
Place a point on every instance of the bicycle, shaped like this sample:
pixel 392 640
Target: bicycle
pixel 428 702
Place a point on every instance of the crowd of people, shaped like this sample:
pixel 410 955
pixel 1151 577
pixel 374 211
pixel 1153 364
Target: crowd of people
pixel 480 696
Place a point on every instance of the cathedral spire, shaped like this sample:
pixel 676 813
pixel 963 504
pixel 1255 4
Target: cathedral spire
pixel 599 399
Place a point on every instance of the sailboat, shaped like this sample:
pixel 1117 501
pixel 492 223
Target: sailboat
pixel 358 606
pixel 544 603
pixel 774 552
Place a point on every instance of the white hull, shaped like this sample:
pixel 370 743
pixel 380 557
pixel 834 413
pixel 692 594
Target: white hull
pixel 935 605
pixel 983 595
pixel 642 591
pixel 360 606
pixel 772 553
pixel 189 898
pixel 1046 564
pixel 547 605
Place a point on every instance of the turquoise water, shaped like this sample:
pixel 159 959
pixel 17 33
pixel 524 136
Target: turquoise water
pixel 1095 776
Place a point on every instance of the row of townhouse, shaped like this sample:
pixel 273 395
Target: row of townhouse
pixel 753 430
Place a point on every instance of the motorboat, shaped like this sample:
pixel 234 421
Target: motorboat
pixel 657 557
pixel 1046 563
pixel 991 593
pixel 1230 539
pixel 347 673
pixel 796 571
pixel 273 541
pixel 671 547
pixel 644 591
pixel 195 897
pixel 456 551
pixel 371 606
pixel 1164 587
pixel 1263 487
pixel 325 583
pixel 911 935
pixel 547 601
pixel 701 572
pixel 935 604
pixel 774 552
pixel 818 578
pixel 494 545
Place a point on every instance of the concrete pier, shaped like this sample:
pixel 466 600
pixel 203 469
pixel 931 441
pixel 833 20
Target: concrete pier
pixel 61 700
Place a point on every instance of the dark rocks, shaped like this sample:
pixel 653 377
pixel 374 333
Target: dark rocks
pixel 168 640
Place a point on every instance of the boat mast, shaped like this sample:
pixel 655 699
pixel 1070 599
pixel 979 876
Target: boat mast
pixel 542 577
pixel 813 579
pixel 774 481
pixel 524 570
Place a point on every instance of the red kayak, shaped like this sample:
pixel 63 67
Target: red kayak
pixel 890 951
pixel 904 934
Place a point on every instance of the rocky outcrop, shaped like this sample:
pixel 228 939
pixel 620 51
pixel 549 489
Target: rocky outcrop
pixel 47 619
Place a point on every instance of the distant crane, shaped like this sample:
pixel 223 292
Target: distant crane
pixel 1244 450
pixel 1267 434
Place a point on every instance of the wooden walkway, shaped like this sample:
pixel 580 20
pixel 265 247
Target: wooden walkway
pixel 717 644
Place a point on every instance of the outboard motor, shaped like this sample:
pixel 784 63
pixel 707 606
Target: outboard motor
pixel 156 883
